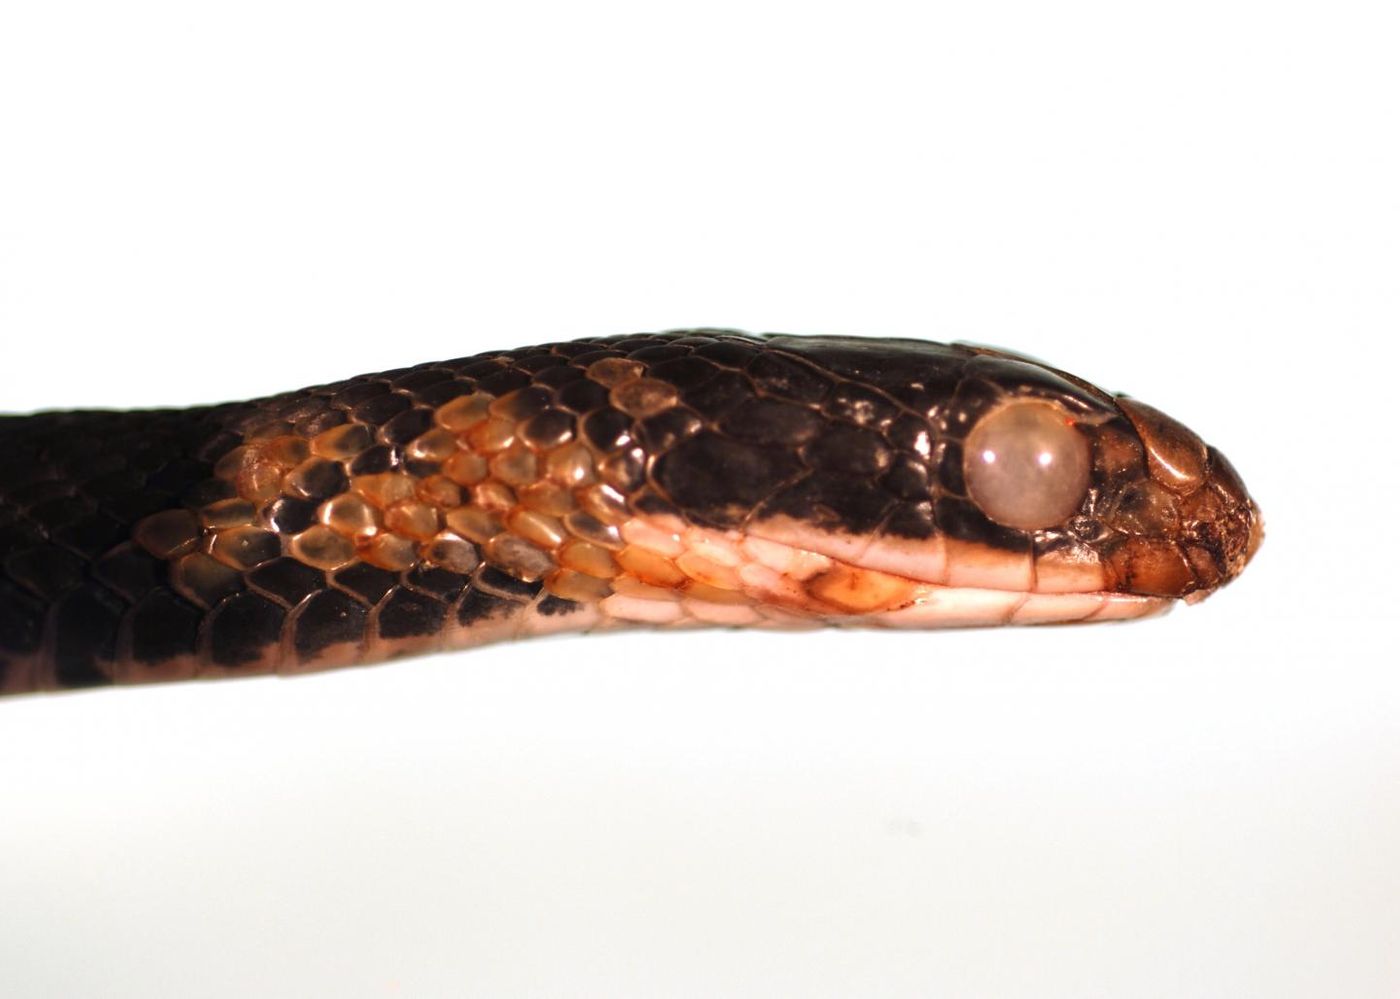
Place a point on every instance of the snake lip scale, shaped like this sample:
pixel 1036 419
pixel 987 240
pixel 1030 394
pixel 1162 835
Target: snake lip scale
pixel 689 478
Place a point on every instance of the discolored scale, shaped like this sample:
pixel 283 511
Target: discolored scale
pixel 45 570
pixel 852 504
pixel 287 580
pixel 380 409
pixel 493 435
pixel 772 422
pixel 1149 565
pixel 228 513
pixel 552 606
pixel 948 467
pixel 862 405
pixel 504 584
pixel 961 519
pixel 648 566
pixel 385 488
pixel 91 536
pixel 440 491
pixel 910 519
pixel 203 580
pixel 547 498
pixel 353 393
pixel 718 480
pixel 245 547
pixel 412 519
pixel 312 426
pixel 478 605
pixel 342 443
pixel 376 460
pixel 391 551
pixel 570 465
pixel 589 559
pixel 522 404
pixel 662 349
pixel 351 515
pixel 665 429
pixel 328 619
pixel 683 373
pixel 624 470
pixel 474 523
pixel 466 468
pixel 453 553
pixel 849 450
pixel 547 429
pixel 290 516
pixel 586 527
pixel 607 430
pixel 730 353
pixel 367 582
pixel 516 466
pixel 558 377
pixel 129 571
pixel 785 378
pixel 84 627
pixel 464 412
pixel 717 396
pixel 407 426
pixel 442 393
pixel 60 511
pixel 517 557
pixel 642 397
pixel 21 620
pixel 316 479
pixel 169 533
pixel 605 503
pixel 1144 507
pixel 409 614
pixel 583 396
pixel 178 475
pixel 536 528
pixel 537 359
pixel 162 627
pixel 436 581
pixel 243 629
pixel 503 381
pixel 611 371
pixel 136 504
pixel 322 547
pixel 415 380
pixel 437 444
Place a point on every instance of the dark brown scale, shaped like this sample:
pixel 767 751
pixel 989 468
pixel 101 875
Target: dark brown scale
pixel 124 556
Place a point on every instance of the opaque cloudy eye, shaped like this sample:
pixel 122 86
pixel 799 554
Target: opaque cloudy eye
pixel 1026 465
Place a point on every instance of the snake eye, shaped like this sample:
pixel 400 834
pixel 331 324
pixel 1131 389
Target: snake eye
pixel 1026 465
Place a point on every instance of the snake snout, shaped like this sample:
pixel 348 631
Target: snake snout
pixel 1191 525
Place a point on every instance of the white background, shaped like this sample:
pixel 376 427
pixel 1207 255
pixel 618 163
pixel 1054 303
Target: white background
pixel 1197 203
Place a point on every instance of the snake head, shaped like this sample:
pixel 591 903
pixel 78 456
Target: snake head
pixel 999 488
pixel 1109 492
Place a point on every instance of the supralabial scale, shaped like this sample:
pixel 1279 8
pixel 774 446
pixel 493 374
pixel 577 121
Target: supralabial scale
pixel 673 480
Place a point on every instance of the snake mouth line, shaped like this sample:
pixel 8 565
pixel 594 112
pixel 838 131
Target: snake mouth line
pixel 783 573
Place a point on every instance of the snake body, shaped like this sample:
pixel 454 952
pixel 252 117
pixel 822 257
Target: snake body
pixel 679 479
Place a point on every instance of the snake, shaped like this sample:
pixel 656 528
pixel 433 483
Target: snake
pixel 701 477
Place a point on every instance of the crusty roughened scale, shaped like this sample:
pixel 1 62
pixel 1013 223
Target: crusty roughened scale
pixel 694 478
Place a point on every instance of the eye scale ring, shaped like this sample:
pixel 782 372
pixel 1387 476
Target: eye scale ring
pixel 1026 465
